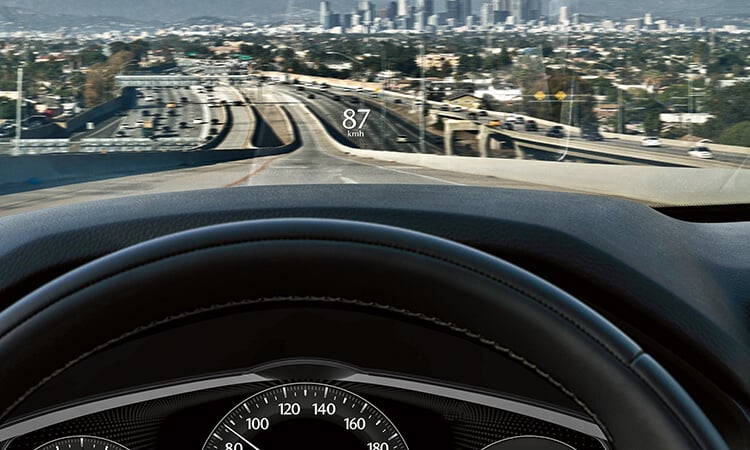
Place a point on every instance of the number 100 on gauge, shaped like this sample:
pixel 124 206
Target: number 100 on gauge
pixel 305 415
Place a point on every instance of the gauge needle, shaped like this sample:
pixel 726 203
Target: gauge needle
pixel 241 437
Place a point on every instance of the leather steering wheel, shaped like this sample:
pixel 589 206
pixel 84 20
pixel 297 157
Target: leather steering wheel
pixel 635 401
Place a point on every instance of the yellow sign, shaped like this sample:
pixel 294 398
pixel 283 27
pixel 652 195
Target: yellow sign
pixel 560 95
pixel 540 95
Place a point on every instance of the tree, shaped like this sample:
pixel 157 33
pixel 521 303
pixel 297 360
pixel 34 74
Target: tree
pixel 91 55
pixel 7 108
pixel 737 134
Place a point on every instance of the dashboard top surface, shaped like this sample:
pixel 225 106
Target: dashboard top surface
pixel 674 281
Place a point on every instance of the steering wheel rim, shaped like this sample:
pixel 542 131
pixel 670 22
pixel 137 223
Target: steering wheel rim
pixel 621 387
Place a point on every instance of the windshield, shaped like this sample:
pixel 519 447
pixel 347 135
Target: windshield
pixel 648 100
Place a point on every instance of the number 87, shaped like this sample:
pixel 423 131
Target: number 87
pixel 351 122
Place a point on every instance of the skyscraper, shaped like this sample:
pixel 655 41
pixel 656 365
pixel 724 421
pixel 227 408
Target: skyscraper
pixel 426 6
pixel 392 10
pixel 451 9
pixel 464 10
pixel 403 8
pixel 487 17
pixel 325 14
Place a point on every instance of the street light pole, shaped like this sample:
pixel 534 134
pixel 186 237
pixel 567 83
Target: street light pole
pixel 19 101
pixel 421 110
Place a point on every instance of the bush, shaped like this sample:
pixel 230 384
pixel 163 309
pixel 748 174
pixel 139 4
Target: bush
pixel 737 134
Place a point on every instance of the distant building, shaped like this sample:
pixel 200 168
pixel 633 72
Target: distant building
pixel 403 8
pixel 436 60
pixel 452 9
pixel 426 6
pixel 325 14
pixel 464 100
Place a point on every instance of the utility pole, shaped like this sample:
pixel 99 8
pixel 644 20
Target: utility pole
pixel 19 102
pixel 383 110
pixel 421 111
pixel 620 113
pixel 690 96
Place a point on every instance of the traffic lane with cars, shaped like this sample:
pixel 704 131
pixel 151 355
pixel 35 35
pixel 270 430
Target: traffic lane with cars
pixel 155 101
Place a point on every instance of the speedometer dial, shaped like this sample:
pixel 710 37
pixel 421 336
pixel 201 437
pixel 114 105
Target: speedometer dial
pixel 81 443
pixel 305 415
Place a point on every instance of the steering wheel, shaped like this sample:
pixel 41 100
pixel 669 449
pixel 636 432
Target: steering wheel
pixel 634 400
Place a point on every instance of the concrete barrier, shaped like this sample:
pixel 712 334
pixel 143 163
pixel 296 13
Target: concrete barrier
pixel 27 172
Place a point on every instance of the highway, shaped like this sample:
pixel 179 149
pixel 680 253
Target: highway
pixel 315 162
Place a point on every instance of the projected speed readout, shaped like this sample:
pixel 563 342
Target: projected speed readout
pixel 305 415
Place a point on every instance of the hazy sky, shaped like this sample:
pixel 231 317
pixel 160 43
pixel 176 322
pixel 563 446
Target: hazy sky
pixel 168 10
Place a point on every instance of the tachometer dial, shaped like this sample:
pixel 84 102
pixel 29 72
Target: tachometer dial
pixel 81 443
pixel 305 415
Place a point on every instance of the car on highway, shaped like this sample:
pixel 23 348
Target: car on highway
pixel 700 150
pixel 171 105
pixel 507 125
pixel 530 125
pixel 482 113
pixel 592 135
pixel 398 100
pixel 311 95
pixel 198 120
pixel 148 98
pixel 125 125
pixel 120 134
pixel 329 275
pixel 457 109
pixel 472 116
pixel 556 131
pixel 138 124
pixel 650 141
pixel 494 123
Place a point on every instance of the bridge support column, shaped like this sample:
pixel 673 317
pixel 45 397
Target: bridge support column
pixel 448 140
pixel 483 138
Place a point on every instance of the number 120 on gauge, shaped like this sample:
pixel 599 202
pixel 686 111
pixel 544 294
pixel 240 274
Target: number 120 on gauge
pixel 350 118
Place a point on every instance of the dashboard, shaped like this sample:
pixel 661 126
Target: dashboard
pixel 318 369
pixel 271 408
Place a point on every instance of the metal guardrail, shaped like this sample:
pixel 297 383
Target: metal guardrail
pixel 48 146
pixel 37 146
pixel 138 144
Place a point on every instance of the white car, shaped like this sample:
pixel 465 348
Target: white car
pixel 138 124
pixel 700 151
pixel 651 141
pixel 125 126
pixel 148 98
pixel 401 139
pixel 198 120
pixel 457 109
